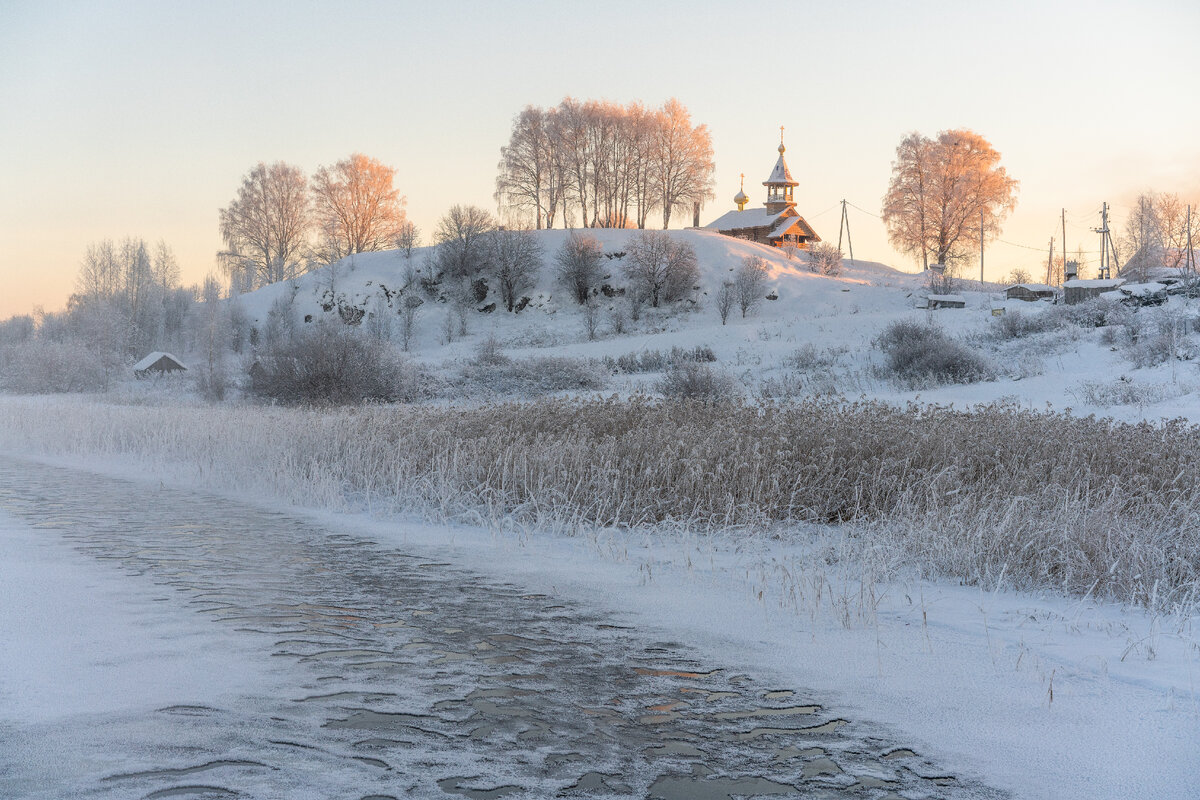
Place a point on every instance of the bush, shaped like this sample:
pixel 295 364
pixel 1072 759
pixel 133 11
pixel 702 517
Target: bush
pixel 1018 324
pixel 692 381
pixel 658 360
pixel 922 354
pixel 328 363
pixel 44 367
pixel 531 377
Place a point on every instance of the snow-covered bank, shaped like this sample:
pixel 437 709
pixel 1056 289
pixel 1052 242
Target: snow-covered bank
pixel 79 639
pixel 1045 696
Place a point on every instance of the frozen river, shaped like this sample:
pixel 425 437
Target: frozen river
pixel 358 670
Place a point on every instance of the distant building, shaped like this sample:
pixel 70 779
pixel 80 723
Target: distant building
pixel 777 224
pixel 1030 292
pixel 946 301
pixel 1080 291
pixel 157 364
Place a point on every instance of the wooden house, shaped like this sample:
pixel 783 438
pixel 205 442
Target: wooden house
pixel 1030 292
pixel 778 224
pixel 1080 291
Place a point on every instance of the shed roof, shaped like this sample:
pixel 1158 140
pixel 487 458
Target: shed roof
pixel 1034 287
pixel 155 357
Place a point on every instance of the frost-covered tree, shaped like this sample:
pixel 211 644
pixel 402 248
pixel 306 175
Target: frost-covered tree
pixel 750 283
pixel 938 191
pixel 825 258
pixel 462 241
pixel 408 237
pixel 357 207
pixel 661 267
pixel 516 258
pixel 682 159
pixel 266 227
pixel 726 298
pixel 578 265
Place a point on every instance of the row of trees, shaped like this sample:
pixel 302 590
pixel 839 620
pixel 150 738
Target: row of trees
pixel 1156 234
pixel 282 224
pixel 603 164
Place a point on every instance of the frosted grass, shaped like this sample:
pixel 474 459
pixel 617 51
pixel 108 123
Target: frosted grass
pixel 995 496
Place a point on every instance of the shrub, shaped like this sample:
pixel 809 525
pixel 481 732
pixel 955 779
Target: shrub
pixel 923 354
pixel 658 360
pixel 328 363
pixel 530 377
pixel 692 381
pixel 44 367
pixel 1018 324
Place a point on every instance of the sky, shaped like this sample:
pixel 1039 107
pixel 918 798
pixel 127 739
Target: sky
pixel 140 118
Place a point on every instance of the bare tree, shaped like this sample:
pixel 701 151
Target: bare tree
pixel 357 206
pixel 683 160
pixel 410 306
pixel 408 236
pixel 941 191
pixel 725 300
pixel 749 284
pixel 516 259
pixel 578 263
pixel 591 318
pixel 462 241
pixel 527 175
pixel 661 267
pixel 266 227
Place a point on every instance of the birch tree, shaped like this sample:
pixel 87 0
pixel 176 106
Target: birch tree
pixel 266 227
pixel 941 190
pixel 357 207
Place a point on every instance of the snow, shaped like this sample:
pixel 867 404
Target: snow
pixel 749 218
pixel 151 359
pixel 1034 287
pixel 780 174
pixel 1093 283
pixel 1142 289
pixel 1043 696
pixel 78 641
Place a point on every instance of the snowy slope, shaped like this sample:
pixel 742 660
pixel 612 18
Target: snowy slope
pixel 840 317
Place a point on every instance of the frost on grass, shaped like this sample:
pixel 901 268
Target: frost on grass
pixel 1044 500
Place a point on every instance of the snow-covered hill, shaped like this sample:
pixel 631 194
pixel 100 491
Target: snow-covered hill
pixel 813 334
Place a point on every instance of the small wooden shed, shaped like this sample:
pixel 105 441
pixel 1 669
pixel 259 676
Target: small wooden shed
pixel 157 364
pixel 1080 291
pixel 1030 292
pixel 946 301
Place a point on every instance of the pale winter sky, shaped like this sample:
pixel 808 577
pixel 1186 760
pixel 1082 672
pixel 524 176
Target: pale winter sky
pixel 139 118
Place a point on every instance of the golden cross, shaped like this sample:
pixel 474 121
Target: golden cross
pixel 781 134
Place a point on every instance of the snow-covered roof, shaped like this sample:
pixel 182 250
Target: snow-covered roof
pixel 152 359
pixel 781 175
pixel 1034 287
pixel 947 298
pixel 750 218
pixel 1094 283
pixel 788 223
pixel 1141 289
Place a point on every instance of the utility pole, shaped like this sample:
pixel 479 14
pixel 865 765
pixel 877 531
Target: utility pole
pixel 1050 262
pixel 1190 263
pixel 845 223
pixel 981 249
pixel 1105 243
pixel 1064 242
